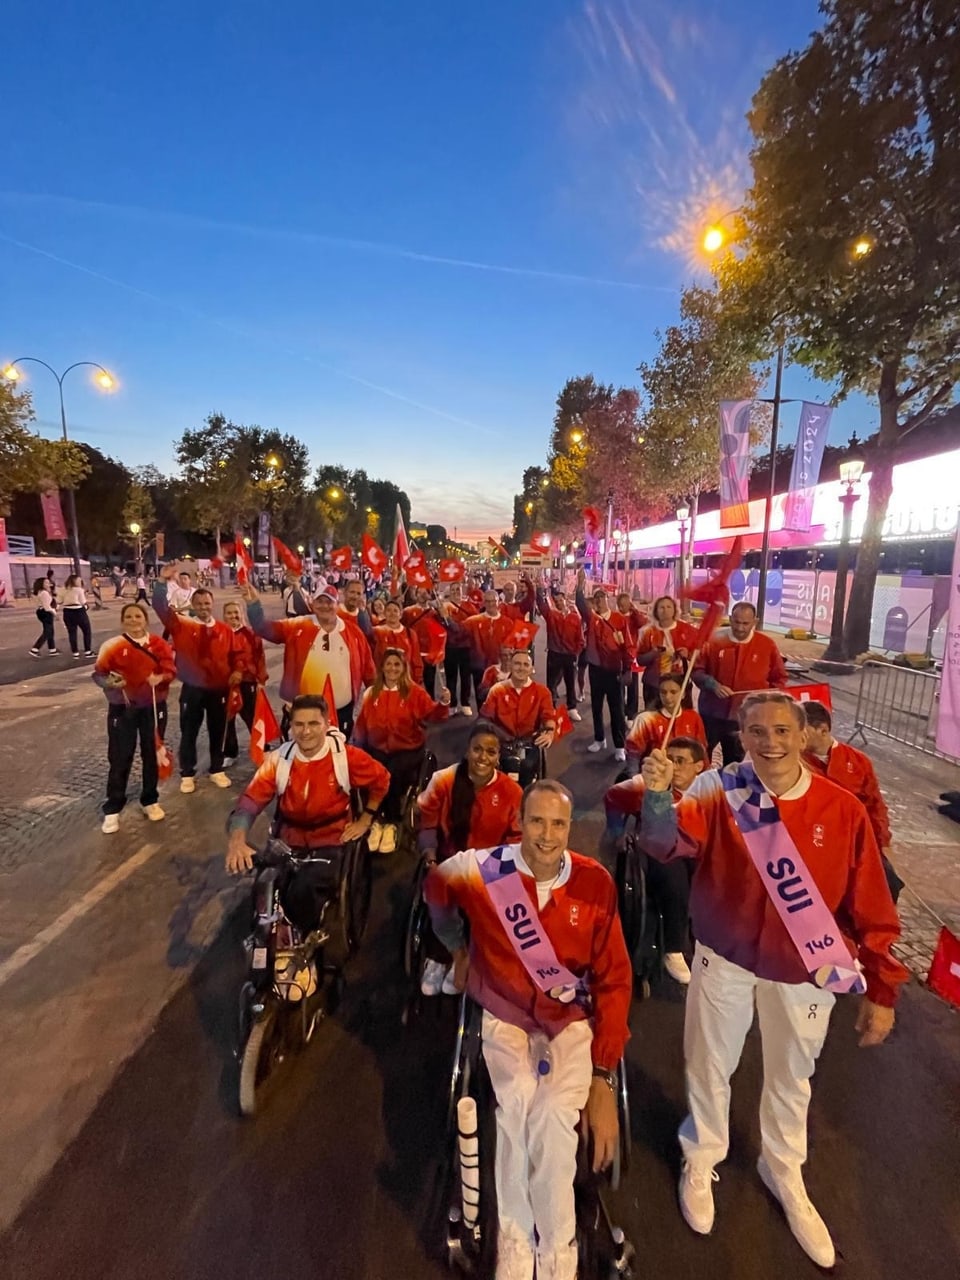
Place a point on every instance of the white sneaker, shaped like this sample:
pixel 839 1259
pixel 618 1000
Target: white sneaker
pixel 431 984
pixel 220 779
pixel 696 1196
pixel 388 840
pixel 598 746
pixel 448 989
pixel 229 762
pixel 152 812
pixel 188 785
pixel 575 715
pixel 466 711
pixel 374 836
pixel 620 754
pixel 676 965
pixel 110 823
pixel 809 1229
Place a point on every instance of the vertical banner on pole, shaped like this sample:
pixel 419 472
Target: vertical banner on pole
pixel 948 719
pixel 734 463
pixel 6 580
pixel 263 534
pixel 53 522
pixel 807 457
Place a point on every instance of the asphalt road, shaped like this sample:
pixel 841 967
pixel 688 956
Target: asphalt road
pixel 334 1179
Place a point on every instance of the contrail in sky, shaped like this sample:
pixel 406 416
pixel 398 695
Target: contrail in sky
pixel 340 242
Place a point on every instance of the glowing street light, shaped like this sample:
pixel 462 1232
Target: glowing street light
pixel 576 436
pixel 714 238
pixel 862 247
pixel 272 462
pixel 106 382
pixel 334 493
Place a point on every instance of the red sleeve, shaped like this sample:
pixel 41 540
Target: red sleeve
pixel 512 832
pixel 611 983
pixel 624 797
pixel 424 707
pixel 166 664
pixel 778 672
pixel 491 706
pixel 870 910
pixel 260 660
pixel 260 790
pixel 416 661
pixel 547 714
pixel 638 739
pixel 430 802
pixel 360 727
pixel 875 804
pixel 368 773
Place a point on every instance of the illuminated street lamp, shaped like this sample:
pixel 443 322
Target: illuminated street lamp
pixel 862 247
pixel 106 382
pixel 683 515
pixel 576 436
pixel 851 469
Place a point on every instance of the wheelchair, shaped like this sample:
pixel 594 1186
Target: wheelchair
pixel 522 761
pixel 468 1190
pixel 407 837
pixel 642 923
pixel 294 981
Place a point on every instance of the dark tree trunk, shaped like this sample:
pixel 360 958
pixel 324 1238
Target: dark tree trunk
pixel 856 631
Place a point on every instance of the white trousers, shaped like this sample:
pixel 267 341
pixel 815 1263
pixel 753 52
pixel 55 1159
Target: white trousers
pixel 793 1025
pixel 536 1155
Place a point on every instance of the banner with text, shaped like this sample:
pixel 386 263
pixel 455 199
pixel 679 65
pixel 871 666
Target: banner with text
pixel 805 473
pixel 734 463
pixel 948 719
pixel 53 522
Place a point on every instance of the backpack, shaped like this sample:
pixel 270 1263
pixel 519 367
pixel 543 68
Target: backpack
pixel 341 766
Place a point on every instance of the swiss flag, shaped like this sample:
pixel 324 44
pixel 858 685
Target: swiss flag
pixel 373 556
pixel 452 570
pixel 540 542
pixel 415 561
pixel 331 705
pixel 342 559
pixel 244 559
pixel 476 596
pixel 944 975
pixel 289 559
pixel 264 729
pixel 234 701
pixel 417 576
pixel 401 547
pixel 715 593
pixel 591 522
pixel 811 693
pixel 564 724
pixel 164 758
pixel 522 635
pixel 499 549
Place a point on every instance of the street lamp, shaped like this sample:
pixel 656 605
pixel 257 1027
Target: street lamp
pixel 851 469
pixel 106 382
pixel 136 531
pixel 576 436
pixel 683 515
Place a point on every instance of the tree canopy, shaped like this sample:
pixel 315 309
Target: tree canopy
pixel 28 463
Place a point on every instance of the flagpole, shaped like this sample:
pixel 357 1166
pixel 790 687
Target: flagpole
pixel 771 488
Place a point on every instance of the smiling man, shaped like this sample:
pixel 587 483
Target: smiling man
pixel 790 908
pixel 548 964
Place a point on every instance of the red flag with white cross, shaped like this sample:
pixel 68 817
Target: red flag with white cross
pixel 264 729
pixel 452 570
pixel 373 556
pixel 342 559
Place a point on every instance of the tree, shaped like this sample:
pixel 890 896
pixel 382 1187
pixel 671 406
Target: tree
pixel 578 400
pixel 705 358
pixel 529 506
pixel 28 463
pixel 854 240
pixel 214 490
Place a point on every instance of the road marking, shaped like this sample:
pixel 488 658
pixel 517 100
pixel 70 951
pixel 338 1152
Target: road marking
pixel 23 955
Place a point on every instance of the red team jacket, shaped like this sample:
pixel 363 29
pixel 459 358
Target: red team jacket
pixel 729 906
pixel 852 770
pixel 486 637
pixel 564 630
pixel 250 655
pixel 523 608
pixel 430 632
pixel 581 920
pixel 205 656
pixel 297 636
pixel 494 819
pixel 753 664
pixel 391 722
pixel 385 638
pixel 135 663
pixel 521 713
pixel 650 729
pixel 458 615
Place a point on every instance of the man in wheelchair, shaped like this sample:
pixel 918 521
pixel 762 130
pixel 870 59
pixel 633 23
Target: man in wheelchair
pixel 548 965
pixel 523 712
pixel 312 778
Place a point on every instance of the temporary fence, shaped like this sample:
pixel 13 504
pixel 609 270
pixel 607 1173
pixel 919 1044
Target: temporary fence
pixel 899 703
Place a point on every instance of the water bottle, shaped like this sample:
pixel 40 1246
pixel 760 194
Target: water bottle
pixel 541 1058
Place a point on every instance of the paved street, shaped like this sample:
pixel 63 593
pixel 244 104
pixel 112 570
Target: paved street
pixel 121 1154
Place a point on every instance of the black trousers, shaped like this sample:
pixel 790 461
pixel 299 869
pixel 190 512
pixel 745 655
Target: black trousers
pixel 478 690
pixel 46 636
pixel 195 704
pixel 668 884
pixel 78 620
pixel 456 667
pixel 726 734
pixel 430 678
pixel 632 695
pixel 404 768
pixel 521 762
pixel 562 666
pixel 248 691
pixel 304 889
pixel 605 686
pixel 126 726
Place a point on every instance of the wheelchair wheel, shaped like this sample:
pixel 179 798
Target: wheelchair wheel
pixel 631 894
pixel 417 917
pixel 358 878
pixel 262 1054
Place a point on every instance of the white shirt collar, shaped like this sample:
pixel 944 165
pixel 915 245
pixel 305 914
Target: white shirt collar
pixel 526 684
pixel 733 639
pixel 799 788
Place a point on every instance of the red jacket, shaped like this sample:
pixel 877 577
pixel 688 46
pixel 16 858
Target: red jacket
pixel 564 630
pixel 729 906
pixel 250 655
pixel 521 713
pixel 494 818
pixel 385 638
pixel 391 722
pixel 206 656
pixel 657 650
pixel 486 637
pixel 135 663
pixel 581 920
pixel 492 676
pixel 744 667
pixel 650 729
pixel 430 632
pixel 523 607
pixel 852 770
pixel 297 636
pixel 316 806
pixel 636 621
pixel 458 615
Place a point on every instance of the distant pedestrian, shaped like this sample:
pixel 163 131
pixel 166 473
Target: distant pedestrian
pixel 141 587
pixel 251 676
pixel 75 617
pixel 96 591
pixel 52 585
pixel 46 612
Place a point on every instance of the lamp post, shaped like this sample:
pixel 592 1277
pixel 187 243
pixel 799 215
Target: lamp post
pixel 106 382
pixel 683 515
pixel 136 531
pixel 617 539
pixel 851 469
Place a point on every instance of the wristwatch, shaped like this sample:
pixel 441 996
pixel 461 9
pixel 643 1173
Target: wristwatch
pixel 609 1078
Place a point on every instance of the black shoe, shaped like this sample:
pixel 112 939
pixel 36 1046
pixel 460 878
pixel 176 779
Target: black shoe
pixel 950 811
pixel 950 797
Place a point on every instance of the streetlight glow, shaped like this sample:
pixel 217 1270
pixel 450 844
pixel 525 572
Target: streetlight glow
pixel 334 493
pixel 272 461
pixel 862 247
pixel 105 381
pixel 134 528
pixel 12 373
pixel 576 436
pixel 714 238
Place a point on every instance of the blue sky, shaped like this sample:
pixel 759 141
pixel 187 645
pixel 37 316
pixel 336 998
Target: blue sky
pixel 391 229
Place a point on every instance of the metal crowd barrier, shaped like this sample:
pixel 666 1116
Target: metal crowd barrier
pixel 899 703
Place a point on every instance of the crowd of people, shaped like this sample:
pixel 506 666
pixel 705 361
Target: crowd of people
pixel 771 870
